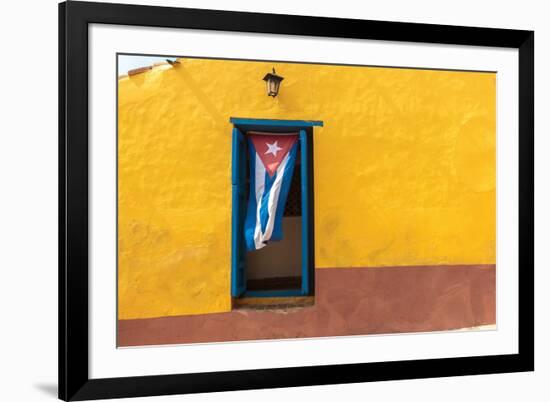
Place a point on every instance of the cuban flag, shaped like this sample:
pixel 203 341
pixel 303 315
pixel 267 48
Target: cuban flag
pixel 272 158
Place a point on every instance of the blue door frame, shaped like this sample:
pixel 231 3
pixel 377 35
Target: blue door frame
pixel 238 251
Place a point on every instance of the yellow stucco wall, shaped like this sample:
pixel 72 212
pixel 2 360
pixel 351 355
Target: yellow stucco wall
pixel 404 172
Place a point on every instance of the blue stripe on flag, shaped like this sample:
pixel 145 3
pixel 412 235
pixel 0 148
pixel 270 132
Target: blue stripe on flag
pixel 264 213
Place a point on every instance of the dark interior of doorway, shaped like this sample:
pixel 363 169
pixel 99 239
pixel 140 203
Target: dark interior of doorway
pixel 278 265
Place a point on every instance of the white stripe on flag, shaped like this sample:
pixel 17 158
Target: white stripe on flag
pixel 260 187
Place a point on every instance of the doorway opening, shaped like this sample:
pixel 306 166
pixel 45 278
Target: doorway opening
pixel 278 266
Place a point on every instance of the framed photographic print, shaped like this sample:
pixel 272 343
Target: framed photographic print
pixel 258 200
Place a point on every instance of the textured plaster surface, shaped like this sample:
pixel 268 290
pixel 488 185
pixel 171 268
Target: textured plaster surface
pixel 404 172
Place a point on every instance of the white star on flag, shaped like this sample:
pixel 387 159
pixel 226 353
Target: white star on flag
pixel 272 148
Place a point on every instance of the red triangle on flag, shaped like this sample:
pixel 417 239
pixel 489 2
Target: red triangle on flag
pixel 272 148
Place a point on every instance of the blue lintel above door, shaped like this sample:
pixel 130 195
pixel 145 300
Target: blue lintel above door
pixel 273 125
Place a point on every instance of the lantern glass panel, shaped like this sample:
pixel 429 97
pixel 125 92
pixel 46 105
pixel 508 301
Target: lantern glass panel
pixel 276 84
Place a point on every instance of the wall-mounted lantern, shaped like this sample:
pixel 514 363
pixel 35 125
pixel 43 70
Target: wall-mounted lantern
pixel 273 82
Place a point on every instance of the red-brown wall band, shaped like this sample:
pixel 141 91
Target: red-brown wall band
pixel 348 301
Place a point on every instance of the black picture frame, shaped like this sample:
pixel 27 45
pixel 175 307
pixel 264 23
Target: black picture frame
pixel 74 381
